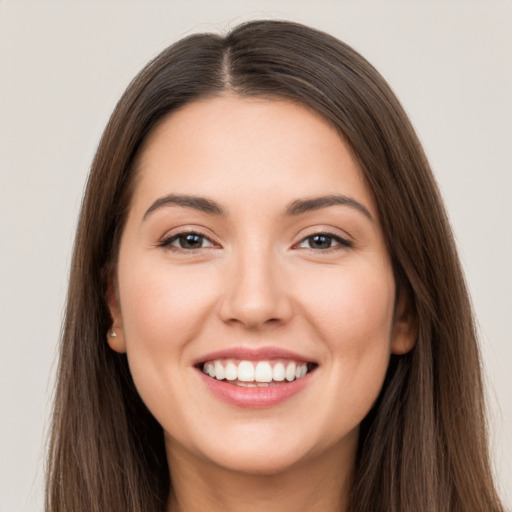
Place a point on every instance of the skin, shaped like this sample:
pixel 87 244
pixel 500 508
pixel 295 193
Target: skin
pixel 255 282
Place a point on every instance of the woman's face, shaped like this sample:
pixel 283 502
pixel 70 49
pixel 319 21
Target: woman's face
pixel 253 252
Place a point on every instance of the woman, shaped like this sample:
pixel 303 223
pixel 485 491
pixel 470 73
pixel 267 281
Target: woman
pixel 266 310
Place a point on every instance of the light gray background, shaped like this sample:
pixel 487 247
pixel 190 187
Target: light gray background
pixel 63 66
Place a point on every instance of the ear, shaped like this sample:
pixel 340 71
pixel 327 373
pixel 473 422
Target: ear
pixel 115 335
pixel 405 326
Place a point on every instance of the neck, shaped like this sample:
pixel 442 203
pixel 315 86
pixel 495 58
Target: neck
pixel 319 484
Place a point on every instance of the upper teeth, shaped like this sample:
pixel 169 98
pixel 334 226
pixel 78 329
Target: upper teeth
pixel 252 371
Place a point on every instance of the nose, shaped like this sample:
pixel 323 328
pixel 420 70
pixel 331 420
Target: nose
pixel 255 295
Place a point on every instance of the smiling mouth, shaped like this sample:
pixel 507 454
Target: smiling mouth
pixel 260 374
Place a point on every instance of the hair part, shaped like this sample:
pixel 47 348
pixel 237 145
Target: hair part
pixel 423 446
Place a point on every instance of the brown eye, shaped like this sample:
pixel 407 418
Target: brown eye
pixel 320 241
pixel 187 241
pixel 190 241
pixel 323 241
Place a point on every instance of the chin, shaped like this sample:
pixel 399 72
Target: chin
pixel 253 462
pixel 252 454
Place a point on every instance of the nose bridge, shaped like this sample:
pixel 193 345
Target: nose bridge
pixel 255 292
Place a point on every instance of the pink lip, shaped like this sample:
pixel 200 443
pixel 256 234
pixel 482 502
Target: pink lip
pixel 246 397
pixel 255 398
pixel 253 354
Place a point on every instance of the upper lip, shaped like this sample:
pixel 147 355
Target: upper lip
pixel 253 354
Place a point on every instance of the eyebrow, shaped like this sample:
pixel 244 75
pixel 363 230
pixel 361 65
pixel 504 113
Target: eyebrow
pixel 196 203
pixel 301 206
pixel 297 207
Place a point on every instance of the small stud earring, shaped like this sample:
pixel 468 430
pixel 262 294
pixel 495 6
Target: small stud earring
pixel 113 334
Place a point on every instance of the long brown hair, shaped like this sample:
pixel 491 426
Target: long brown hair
pixel 423 447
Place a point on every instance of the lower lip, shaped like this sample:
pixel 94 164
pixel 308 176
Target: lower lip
pixel 254 398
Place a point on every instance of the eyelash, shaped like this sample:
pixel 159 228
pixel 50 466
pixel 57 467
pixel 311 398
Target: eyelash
pixel 167 242
pixel 340 242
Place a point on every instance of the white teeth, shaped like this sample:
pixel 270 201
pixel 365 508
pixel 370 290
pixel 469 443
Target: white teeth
pixel 220 373
pixel 301 370
pixel 252 374
pixel 231 371
pixel 245 371
pixel 278 372
pixel 263 372
pixel 210 369
pixel 290 372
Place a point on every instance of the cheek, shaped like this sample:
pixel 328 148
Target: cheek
pixel 352 307
pixel 162 312
pixel 164 307
pixel 353 312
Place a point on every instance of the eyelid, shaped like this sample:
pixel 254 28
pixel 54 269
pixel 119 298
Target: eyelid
pixel 343 242
pixel 167 240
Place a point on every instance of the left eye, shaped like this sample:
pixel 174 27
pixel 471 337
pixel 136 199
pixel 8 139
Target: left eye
pixel 322 241
pixel 188 241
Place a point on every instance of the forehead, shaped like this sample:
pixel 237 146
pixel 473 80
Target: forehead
pixel 248 149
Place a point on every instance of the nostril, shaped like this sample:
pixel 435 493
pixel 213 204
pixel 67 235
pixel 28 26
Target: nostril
pixel 255 298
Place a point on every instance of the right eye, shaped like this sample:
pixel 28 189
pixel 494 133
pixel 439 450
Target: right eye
pixel 187 241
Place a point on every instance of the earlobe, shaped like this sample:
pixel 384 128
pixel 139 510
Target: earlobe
pixel 116 341
pixel 115 335
pixel 405 326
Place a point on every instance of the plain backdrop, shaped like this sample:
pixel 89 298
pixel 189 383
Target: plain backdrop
pixel 64 65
